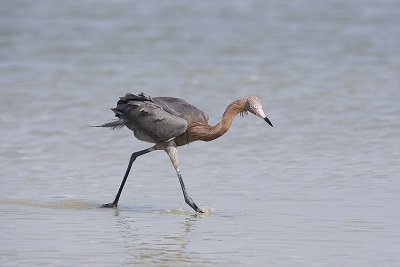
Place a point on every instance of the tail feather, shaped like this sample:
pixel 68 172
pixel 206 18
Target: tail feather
pixel 117 124
pixel 121 105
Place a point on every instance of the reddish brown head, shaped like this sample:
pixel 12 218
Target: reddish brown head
pixel 253 105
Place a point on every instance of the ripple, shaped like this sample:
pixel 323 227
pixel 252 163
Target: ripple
pixel 70 204
pixel 207 212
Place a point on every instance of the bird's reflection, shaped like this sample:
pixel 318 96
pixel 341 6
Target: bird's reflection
pixel 148 238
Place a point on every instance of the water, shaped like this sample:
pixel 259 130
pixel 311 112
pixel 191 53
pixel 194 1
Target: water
pixel 321 188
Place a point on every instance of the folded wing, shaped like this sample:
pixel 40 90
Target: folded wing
pixel 148 120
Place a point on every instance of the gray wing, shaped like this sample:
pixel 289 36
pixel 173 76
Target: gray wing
pixel 147 120
pixel 181 108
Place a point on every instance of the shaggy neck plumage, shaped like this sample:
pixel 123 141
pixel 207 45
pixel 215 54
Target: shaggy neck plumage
pixel 205 132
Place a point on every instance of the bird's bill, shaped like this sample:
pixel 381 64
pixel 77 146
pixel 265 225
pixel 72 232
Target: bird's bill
pixel 260 113
pixel 268 121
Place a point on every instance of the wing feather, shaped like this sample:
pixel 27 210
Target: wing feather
pixel 179 107
pixel 149 121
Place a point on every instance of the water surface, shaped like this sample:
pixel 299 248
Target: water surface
pixel 321 188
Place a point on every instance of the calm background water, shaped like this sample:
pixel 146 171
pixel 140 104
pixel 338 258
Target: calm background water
pixel 321 188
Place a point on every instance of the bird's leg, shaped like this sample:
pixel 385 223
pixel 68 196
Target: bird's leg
pixel 173 155
pixel 131 160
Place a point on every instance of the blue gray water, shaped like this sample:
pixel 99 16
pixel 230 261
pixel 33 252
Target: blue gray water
pixel 321 188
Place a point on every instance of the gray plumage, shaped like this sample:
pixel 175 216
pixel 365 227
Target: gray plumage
pixel 155 120
pixel 181 108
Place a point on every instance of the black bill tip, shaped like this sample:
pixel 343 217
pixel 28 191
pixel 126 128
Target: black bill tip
pixel 268 121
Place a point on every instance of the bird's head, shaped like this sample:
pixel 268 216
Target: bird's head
pixel 253 105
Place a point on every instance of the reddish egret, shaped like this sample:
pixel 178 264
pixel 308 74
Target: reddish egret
pixel 170 122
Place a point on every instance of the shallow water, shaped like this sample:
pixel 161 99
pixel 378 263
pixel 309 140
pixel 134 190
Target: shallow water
pixel 321 188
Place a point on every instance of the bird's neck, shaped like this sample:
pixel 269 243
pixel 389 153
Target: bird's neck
pixel 205 132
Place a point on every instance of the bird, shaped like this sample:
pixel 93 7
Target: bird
pixel 170 122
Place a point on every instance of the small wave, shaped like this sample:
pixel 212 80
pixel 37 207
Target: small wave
pixel 71 204
pixel 207 211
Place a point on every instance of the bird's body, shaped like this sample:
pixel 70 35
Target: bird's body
pixel 169 122
pixel 158 119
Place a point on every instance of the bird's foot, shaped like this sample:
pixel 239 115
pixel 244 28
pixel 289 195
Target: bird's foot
pixel 109 205
pixel 200 210
pixel 196 208
pixel 193 205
